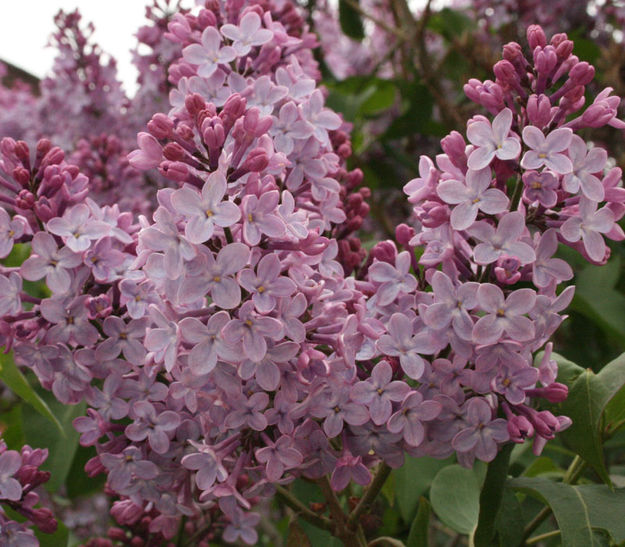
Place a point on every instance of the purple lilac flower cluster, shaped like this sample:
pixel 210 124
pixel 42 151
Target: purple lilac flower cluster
pixel 20 476
pixel 220 344
pixel 489 216
pixel 213 329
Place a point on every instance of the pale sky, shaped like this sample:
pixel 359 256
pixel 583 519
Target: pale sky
pixel 26 25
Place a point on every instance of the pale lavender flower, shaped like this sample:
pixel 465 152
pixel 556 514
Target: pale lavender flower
pixel 278 457
pixel 247 34
pixel 267 284
pixel 206 339
pixel 136 297
pixel 107 400
pixel 70 378
pixel 294 219
pixel 403 343
pixel 348 468
pixel 157 428
pixel 209 55
pixel 149 154
pixel 50 262
pixel 103 260
pixel 504 240
pixel 547 270
pixel 451 306
pixel 242 525
pixel 504 314
pixel 394 280
pixel 267 371
pixel 547 151
pixel 126 465
pixel 259 217
pixel 588 226
pixel 512 383
pixel 264 95
pixel 335 406
pixel 163 340
pixel 248 411
pixel 476 195
pixel 10 488
pixel 410 417
pixel 71 324
pixel 123 338
pixel 10 289
pixel 483 433
pixel 206 209
pixel 541 187
pixel 207 464
pixel 77 229
pixel 252 329
pixel 322 119
pixel 491 142
pixel 379 392
pixel 215 275
pixel 288 126
pixel 585 163
pixel 10 230
pixel 164 237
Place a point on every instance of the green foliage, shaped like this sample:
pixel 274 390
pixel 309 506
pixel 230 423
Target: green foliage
pixel 350 20
pixel 589 397
pixel 418 536
pixel 579 509
pixel 62 447
pixel 18 384
pixel 455 498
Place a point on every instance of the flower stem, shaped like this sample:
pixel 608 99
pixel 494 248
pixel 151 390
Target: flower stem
pixel 302 510
pixel 374 489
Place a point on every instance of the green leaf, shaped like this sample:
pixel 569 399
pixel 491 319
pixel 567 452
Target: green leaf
pixel 579 509
pixel 11 427
pixel 589 396
pixel 490 498
pixel 450 23
pixel 412 480
pixel 58 539
pixel 418 536
pixel 510 520
pixel 17 383
pixel 455 498
pixel 598 300
pixel 388 489
pixel 350 20
pixel 78 483
pixel 383 97
pixel 62 448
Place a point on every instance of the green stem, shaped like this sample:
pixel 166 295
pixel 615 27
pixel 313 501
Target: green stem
pixel 571 476
pixel 490 497
pixel 374 489
pixel 548 535
pixel 302 510
pixel 516 195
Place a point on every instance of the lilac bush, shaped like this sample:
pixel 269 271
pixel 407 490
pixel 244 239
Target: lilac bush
pixel 206 295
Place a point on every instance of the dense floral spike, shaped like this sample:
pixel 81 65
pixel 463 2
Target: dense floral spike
pixel 490 215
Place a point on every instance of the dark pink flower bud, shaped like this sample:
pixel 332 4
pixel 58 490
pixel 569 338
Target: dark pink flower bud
pixel 25 199
pixel 454 146
pixel 582 73
pixel 385 251
pixel 519 428
pixel 206 18
pixel 174 170
pixel 256 160
pixel 174 152
pixel 505 72
pixel 21 175
pixel 160 126
pixel 53 157
pixel 194 104
pixel 536 37
pixel 22 152
pixel 539 110
pixel 43 147
pixel 564 49
pixel 117 534
pixel 44 520
pixel 403 234
pixel 545 60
